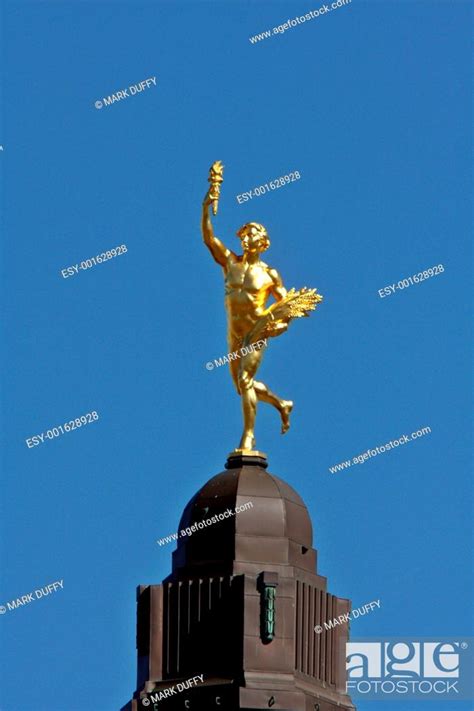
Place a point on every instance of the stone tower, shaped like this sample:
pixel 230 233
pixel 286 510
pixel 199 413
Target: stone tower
pixel 239 609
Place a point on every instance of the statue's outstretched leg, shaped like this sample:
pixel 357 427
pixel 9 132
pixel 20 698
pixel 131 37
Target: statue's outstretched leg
pixel 284 407
pixel 251 391
pixel 264 327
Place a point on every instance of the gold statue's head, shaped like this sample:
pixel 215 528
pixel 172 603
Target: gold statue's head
pixel 254 237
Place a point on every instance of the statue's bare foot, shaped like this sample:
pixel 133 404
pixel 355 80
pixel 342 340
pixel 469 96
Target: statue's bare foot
pixel 286 409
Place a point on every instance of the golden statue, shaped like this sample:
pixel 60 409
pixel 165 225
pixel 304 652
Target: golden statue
pixel 249 283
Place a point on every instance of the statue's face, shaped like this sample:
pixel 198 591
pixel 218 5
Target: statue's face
pixel 253 240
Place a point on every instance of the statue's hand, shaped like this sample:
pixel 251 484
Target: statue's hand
pixel 208 198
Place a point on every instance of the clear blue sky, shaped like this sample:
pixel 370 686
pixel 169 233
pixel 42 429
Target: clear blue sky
pixel 371 105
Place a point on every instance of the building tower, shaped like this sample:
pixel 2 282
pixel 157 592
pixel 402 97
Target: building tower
pixel 240 607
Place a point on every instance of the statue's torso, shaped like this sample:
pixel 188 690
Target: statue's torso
pixel 247 288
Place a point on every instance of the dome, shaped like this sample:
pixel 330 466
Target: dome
pixel 272 527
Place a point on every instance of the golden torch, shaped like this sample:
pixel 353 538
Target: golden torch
pixel 216 177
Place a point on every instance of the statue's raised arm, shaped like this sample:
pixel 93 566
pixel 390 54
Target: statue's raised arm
pixel 218 250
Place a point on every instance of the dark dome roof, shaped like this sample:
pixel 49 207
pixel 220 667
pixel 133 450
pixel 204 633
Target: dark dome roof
pixel 276 522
